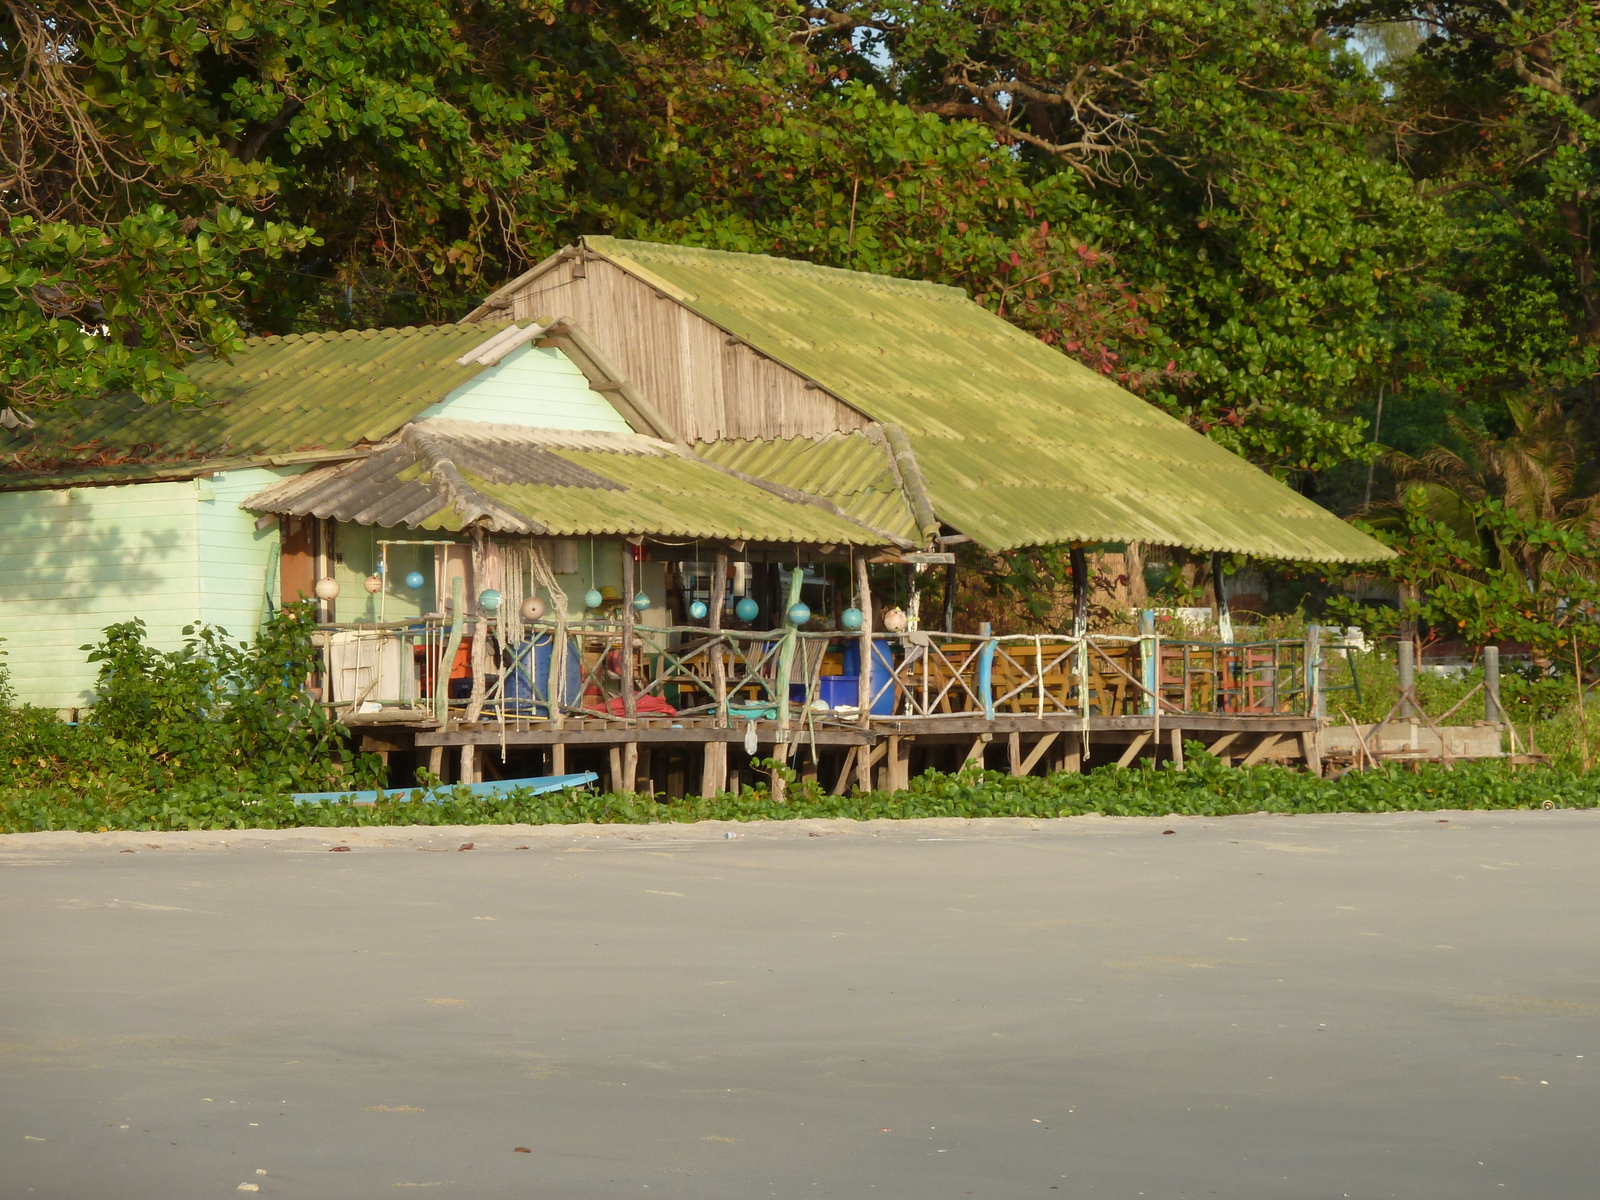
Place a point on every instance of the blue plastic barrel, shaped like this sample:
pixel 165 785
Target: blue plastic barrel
pixel 529 694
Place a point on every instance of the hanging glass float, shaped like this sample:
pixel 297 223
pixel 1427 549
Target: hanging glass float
pixel 532 608
pixel 373 584
pixel 851 618
pixel 489 600
pixel 593 599
pixel 698 611
pixel 327 589
pixel 415 580
pixel 746 609
pixel 799 613
pixel 640 602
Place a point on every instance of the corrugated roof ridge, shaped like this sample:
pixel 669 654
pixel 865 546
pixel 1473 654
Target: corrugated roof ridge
pixel 751 263
pixel 329 335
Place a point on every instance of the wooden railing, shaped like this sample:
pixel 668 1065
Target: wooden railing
pixel 919 674
pixel 734 673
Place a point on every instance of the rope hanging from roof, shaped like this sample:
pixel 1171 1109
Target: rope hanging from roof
pixel 543 576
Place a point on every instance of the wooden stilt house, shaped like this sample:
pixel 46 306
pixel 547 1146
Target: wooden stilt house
pixel 621 518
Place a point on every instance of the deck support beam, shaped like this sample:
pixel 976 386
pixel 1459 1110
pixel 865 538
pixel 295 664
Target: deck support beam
pixel 1039 749
pixel 846 769
pixel 1132 752
pixel 1264 747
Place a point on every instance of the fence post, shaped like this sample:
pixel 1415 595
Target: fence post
pixel 1148 667
pixel 1406 661
pixel 1316 698
pixel 1491 685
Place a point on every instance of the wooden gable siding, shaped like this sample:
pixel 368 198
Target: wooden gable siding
pixel 683 364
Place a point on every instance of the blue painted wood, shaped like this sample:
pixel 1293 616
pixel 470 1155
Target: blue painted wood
pixel 538 785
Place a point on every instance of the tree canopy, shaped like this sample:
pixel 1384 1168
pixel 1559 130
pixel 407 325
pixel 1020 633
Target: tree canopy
pixel 1261 217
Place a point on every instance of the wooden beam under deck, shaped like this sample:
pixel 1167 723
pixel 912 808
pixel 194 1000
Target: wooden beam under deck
pixel 1219 730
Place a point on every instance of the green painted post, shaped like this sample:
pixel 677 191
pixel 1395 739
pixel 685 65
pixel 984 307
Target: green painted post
pixel 1147 659
pixel 1316 698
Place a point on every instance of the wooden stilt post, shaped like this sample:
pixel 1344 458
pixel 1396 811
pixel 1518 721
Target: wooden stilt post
pixel 1220 596
pixel 479 656
pixel 1014 753
pixel 627 776
pixel 1080 590
pixel 558 759
pixel 469 763
pixel 436 761
pixel 1491 685
pixel 949 597
pixel 864 716
pixel 898 763
pixel 714 767
pixel 1177 748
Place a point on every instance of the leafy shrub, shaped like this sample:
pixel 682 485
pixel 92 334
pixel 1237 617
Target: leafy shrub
pixel 214 717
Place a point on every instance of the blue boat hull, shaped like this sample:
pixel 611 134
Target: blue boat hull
pixel 497 787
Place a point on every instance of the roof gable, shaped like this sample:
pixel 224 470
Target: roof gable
pixel 539 387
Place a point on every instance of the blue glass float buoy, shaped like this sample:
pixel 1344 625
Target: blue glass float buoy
pixel 799 613
pixel 746 609
pixel 640 602
pixel 592 598
pixel 415 580
pixel 851 618
pixel 698 611
pixel 489 600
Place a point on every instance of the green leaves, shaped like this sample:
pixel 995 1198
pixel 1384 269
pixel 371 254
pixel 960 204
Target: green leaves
pixel 86 310
pixel 211 718
pixel 1206 788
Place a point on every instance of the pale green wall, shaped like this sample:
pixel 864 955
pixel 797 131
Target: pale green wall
pixel 73 561
pixel 234 554
pixel 356 555
pixel 530 386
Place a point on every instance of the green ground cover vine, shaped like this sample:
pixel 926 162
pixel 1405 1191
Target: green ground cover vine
pixel 1207 788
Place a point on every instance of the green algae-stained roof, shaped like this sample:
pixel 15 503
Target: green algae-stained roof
pixel 1019 444
pixel 849 469
pixel 278 396
pixel 445 475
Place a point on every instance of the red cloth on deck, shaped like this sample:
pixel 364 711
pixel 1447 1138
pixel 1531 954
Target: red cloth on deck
pixel 645 706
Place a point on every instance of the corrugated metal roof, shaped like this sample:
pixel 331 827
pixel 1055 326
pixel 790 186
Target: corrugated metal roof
pixel 850 469
pixel 1019 444
pixel 445 475
pixel 279 395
